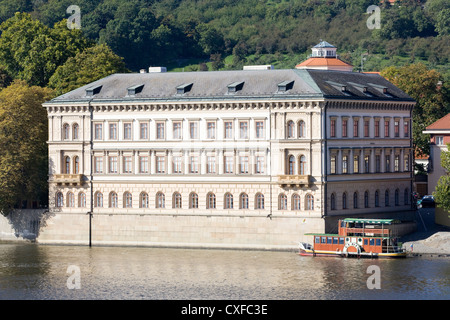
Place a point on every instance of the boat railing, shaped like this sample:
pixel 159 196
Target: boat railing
pixel 393 249
pixel 366 231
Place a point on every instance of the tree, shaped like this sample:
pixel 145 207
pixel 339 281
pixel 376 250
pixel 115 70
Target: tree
pixel 23 136
pixel 442 191
pixel 31 51
pixel 92 64
pixel 433 101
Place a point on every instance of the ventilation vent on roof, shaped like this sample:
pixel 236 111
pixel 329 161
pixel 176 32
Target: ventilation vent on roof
pixel 235 86
pixel 259 67
pixel 135 89
pixel 285 86
pixel 93 90
pixel 157 69
pixel 186 87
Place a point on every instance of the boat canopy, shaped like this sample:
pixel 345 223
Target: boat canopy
pixel 372 221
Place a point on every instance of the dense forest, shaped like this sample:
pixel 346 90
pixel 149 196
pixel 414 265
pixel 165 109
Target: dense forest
pixel 226 34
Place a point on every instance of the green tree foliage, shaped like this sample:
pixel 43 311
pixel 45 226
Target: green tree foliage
pixel 23 136
pixel 31 51
pixel 433 99
pixel 442 191
pixel 92 64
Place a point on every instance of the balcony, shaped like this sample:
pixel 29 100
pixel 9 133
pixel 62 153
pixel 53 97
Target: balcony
pixel 68 179
pixel 294 180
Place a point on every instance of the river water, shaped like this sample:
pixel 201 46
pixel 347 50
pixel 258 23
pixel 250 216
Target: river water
pixel 38 272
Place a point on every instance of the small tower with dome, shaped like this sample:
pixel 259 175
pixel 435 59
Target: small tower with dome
pixel 324 57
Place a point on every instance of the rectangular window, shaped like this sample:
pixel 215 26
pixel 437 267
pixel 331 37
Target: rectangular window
pixel 377 163
pixel 406 129
pixel 193 165
pixel 228 130
pixel 259 129
pixel 177 130
pixel 177 163
pixel 113 164
pixel 386 128
pixel 355 127
pixel 333 165
pixel 143 164
pixel 366 164
pixel 396 128
pixel 211 130
pixel 344 164
pixel 344 127
pixel 160 134
pixel 333 128
pixel 259 166
pixel 193 130
pixel 388 163
pixel 243 164
pixel 397 163
pixel 211 164
pixel 356 164
pixel 127 131
pixel 366 128
pixel 113 131
pixel 243 130
pixel 98 164
pixel 98 131
pixel 440 140
pixel 127 164
pixel 160 164
pixel 377 128
pixel 406 166
pixel 143 130
pixel 229 163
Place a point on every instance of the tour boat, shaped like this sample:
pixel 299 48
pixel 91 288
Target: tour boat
pixel 362 238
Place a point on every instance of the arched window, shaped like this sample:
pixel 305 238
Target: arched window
pixel 333 201
pixel 396 197
pixel 228 203
pixel 309 202
pixel 344 201
pixel 98 199
pixel 76 165
pixel 290 129
pixel 302 168
pixel 210 201
pixel 67 164
pixel 386 198
pixel 406 196
pixel 160 200
pixel 355 200
pixel 301 129
pixel 127 200
pixel 66 131
pixel 259 201
pixel 70 200
pixel 296 200
pixel 59 200
pixel 193 200
pixel 282 202
pixel 143 200
pixel 377 199
pixel 75 133
pixel 176 200
pixel 366 199
pixel 291 165
pixel 82 200
pixel 113 200
pixel 243 201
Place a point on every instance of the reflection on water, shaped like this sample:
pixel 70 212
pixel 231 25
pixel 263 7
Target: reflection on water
pixel 29 271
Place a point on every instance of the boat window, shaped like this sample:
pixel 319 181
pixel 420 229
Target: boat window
pixel 317 239
pixel 329 239
pixel 371 242
pixel 365 242
pixel 324 239
pixel 378 242
pixel 335 240
pixel 341 240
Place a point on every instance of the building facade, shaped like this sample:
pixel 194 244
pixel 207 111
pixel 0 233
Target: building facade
pixel 252 158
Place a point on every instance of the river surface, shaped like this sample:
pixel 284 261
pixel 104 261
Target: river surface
pixel 38 272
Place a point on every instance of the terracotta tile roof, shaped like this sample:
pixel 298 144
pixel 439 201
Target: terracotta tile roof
pixel 442 123
pixel 323 62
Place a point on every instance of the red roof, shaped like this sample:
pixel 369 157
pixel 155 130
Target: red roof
pixel 317 62
pixel 442 124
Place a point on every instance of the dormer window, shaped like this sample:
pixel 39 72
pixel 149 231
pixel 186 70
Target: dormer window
pixel 186 87
pixel 135 89
pixel 93 90
pixel 235 86
pixel 285 86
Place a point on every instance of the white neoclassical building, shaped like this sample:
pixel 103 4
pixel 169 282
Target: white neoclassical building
pixel 251 158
